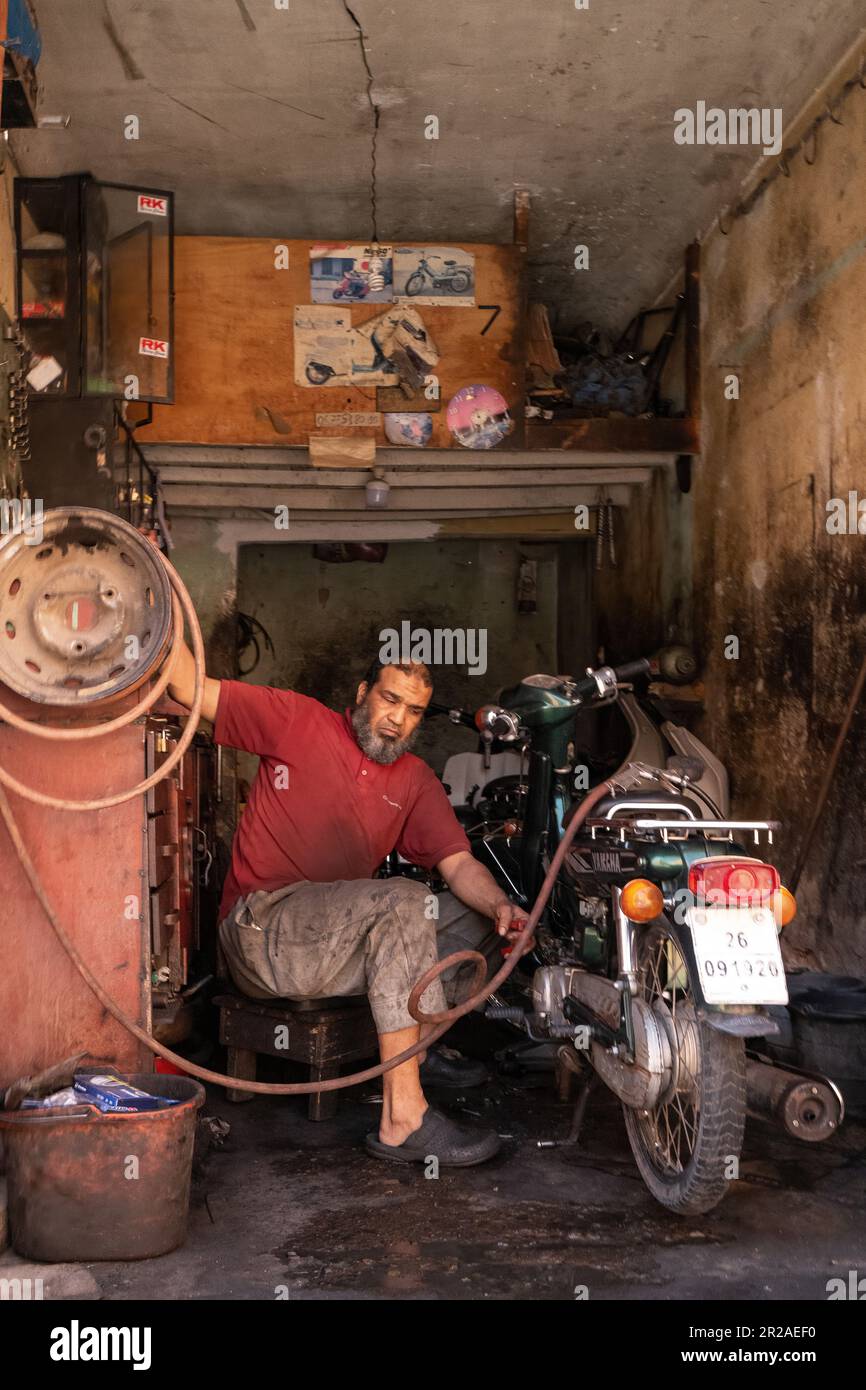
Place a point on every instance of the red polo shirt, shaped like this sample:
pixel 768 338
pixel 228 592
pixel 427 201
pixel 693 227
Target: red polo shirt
pixel 319 809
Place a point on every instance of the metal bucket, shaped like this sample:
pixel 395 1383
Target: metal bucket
pixel 84 1185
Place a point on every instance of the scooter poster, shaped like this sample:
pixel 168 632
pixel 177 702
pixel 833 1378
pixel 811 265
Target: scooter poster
pixel 323 346
pixel 342 273
pixel 434 275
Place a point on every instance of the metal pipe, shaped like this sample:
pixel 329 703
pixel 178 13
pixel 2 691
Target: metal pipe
pixel 535 820
pixel 807 1107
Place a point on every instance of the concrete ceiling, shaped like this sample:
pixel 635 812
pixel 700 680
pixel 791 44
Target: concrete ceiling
pixel 262 119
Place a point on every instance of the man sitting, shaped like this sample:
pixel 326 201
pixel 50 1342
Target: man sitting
pixel 302 916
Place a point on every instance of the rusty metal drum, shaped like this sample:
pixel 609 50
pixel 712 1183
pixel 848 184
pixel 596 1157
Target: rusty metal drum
pixel 84 1185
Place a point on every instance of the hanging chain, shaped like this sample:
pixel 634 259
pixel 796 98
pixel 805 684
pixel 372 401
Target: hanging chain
pixel 19 419
pixel 604 537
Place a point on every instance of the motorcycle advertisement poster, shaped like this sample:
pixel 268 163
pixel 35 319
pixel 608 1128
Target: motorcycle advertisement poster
pixel 323 335
pixel 434 275
pixel 385 350
pixel 352 274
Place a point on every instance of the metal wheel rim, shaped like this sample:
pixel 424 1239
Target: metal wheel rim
pixel 141 590
pixel 669 1131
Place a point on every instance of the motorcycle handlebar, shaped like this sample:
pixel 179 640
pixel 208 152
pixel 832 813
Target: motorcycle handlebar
pixel 457 716
pixel 590 685
pixel 632 669
pixel 606 678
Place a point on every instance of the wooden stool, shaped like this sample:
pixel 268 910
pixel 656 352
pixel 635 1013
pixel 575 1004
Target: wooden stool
pixel 321 1033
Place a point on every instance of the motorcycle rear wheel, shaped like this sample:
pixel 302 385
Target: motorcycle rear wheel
pixel 459 282
pixel 685 1144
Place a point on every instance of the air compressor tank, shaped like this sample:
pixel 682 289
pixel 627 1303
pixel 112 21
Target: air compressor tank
pixel 85 620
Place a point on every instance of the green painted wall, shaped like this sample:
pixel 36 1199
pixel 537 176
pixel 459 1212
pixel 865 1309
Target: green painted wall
pixel 325 619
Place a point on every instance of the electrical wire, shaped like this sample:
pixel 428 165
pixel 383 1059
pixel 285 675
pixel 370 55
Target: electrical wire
pixel 744 206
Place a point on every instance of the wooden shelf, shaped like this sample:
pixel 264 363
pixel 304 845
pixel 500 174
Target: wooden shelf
pixel 670 436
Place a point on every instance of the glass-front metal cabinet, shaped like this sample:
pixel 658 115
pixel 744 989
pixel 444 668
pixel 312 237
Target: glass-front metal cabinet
pixel 95 287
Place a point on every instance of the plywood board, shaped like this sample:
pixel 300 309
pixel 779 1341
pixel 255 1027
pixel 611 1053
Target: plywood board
pixel 234 351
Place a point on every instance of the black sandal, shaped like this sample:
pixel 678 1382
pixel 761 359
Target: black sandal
pixel 454 1145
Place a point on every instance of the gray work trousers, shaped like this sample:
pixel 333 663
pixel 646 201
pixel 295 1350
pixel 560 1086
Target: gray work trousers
pixel 357 936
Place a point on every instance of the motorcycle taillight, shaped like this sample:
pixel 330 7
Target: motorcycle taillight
pixel 733 882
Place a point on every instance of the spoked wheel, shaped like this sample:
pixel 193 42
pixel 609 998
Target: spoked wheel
pixel 459 282
pixel 684 1144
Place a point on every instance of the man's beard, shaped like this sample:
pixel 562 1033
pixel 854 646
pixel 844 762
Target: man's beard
pixel 378 748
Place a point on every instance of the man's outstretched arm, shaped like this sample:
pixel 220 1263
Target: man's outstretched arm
pixel 474 885
pixel 181 687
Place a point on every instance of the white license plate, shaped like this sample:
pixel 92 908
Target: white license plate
pixel 738 956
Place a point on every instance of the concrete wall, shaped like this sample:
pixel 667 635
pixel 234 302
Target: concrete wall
pixel 207 563
pixel 643 600
pixel 325 619
pixel 782 310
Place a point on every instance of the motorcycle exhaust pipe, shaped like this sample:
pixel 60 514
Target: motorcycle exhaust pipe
pixel 807 1107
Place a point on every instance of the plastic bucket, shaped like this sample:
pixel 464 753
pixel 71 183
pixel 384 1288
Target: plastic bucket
pixel 83 1185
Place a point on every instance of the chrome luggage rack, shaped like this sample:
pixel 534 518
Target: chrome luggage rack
pixel 631 818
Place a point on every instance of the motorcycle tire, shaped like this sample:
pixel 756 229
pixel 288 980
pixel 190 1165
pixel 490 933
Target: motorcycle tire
pixel 415 283
pixel 716 1097
pixel 459 282
pixel 338 294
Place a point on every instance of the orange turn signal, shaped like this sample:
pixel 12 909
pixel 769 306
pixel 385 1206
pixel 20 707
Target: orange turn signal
pixel 641 901
pixel 786 907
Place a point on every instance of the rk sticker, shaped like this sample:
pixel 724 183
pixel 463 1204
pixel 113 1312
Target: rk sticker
pixel 153 347
pixel 478 417
pixel 434 275
pixel 157 207
pixel 353 274
pixel 408 427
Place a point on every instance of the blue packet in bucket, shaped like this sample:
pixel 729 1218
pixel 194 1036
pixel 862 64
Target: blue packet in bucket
pixel 113 1095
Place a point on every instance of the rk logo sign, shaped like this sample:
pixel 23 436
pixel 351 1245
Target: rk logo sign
pixel 157 207
pixel 153 347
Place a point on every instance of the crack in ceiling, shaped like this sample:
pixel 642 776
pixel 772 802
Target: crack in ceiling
pixel 374 107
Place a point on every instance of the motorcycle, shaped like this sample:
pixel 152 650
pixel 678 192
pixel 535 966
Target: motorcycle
pixel 453 278
pixel 657 958
pixel 353 285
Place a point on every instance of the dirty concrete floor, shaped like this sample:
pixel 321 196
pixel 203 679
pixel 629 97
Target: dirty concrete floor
pixel 292 1209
